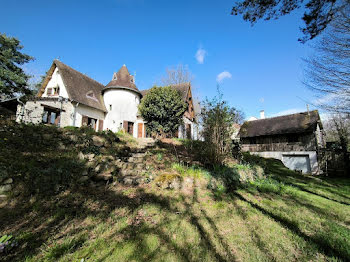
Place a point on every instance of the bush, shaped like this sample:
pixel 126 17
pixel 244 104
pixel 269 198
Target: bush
pixel 162 108
pixel 218 119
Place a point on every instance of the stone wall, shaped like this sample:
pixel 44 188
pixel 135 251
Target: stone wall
pixel 5 187
pixel 33 111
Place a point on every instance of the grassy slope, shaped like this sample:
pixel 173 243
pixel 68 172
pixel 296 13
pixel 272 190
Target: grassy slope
pixel 285 218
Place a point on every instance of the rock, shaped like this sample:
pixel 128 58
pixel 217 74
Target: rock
pixel 98 168
pixel 83 179
pixel 107 158
pixel 7 181
pixel 124 172
pixel 175 184
pixel 90 164
pixel 81 156
pixel 74 138
pixel 98 141
pixel 105 176
pixel 90 156
pixel 61 146
pixel 139 167
pixel 106 144
pixel 5 188
pixel 3 197
pixel 127 181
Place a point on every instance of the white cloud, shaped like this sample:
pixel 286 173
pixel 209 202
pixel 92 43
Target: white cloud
pixel 262 100
pixel 220 77
pixel 200 55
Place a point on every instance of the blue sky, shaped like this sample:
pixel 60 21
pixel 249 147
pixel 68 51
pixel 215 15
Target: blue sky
pixel 262 64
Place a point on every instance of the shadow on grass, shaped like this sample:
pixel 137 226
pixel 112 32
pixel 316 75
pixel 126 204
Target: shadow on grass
pixel 43 219
pixel 278 172
pixel 321 242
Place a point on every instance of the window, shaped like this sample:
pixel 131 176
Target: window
pixel 110 107
pixel 91 95
pixel 56 91
pixel 115 76
pixel 51 116
pixel 53 91
pixel 89 121
pixel 130 128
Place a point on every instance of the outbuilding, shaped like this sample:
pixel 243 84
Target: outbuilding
pixel 294 139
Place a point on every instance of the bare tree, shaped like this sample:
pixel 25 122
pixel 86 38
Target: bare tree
pixel 177 75
pixel 328 71
pixel 337 129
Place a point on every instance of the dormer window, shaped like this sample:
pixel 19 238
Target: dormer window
pixel 91 95
pixel 115 76
pixel 53 91
pixel 56 91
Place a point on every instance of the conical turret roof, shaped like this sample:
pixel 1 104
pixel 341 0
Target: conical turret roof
pixel 122 80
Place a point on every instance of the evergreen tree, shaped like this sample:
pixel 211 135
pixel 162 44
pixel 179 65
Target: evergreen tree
pixel 13 80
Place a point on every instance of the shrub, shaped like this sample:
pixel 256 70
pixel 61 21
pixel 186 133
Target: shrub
pixel 163 109
pixel 217 119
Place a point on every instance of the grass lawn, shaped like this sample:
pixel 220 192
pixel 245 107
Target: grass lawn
pixel 306 220
pixel 287 217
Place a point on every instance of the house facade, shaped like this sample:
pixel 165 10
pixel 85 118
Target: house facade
pixel 70 98
pixel 294 139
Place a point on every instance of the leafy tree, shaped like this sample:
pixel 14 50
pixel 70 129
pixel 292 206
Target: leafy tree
pixel 218 120
pixel 13 80
pixel 327 71
pixel 318 14
pixel 162 108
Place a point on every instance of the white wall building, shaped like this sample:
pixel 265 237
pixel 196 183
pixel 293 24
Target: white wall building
pixel 70 98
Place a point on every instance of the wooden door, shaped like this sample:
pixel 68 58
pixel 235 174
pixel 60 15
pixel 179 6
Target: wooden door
pixel 125 126
pixel 140 130
pixel 188 131
pixel 100 125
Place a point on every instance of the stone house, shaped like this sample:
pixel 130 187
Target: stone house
pixel 70 98
pixel 294 139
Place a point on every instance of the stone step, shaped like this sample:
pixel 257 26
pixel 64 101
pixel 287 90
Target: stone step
pixel 134 180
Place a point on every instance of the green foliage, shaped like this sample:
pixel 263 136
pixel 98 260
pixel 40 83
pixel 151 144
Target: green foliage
pixel 7 243
pixel 13 80
pixel 218 119
pixel 192 171
pixel 59 250
pixel 159 156
pixel 270 185
pixel 162 108
pixel 317 16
